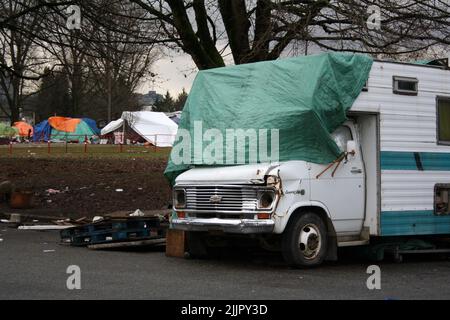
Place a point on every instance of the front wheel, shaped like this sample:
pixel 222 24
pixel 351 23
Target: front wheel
pixel 305 241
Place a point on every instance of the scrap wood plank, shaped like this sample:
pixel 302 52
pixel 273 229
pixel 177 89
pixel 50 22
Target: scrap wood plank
pixel 28 216
pixel 176 243
pixel 45 227
pixel 126 244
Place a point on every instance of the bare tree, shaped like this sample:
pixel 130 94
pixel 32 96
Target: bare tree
pixel 18 55
pixel 114 46
pixel 110 56
pixel 119 63
pixel 69 54
pixel 256 30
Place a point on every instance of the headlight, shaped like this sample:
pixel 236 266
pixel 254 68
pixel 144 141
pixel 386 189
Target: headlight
pixel 179 199
pixel 266 199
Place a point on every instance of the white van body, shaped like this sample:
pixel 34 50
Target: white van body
pixel 386 188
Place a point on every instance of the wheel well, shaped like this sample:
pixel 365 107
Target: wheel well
pixel 317 210
pixel 331 232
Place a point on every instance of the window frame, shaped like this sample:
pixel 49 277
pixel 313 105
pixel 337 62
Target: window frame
pixel 438 137
pixel 351 134
pixel 396 90
pixel 436 187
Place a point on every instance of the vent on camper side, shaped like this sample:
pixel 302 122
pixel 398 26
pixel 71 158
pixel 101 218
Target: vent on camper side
pixel 406 86
pixel 441 199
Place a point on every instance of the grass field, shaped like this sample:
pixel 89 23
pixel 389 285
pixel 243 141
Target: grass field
pixel 79 150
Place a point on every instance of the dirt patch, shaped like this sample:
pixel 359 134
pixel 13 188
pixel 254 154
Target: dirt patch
pixel 88 187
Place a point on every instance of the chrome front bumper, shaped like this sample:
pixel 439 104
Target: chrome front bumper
pixel 243 226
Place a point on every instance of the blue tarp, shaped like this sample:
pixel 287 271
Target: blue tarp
pixel 92 124
pixel 42 131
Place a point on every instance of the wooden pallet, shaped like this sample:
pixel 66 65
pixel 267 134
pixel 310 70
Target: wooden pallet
pixel 115 230
pixel 128 244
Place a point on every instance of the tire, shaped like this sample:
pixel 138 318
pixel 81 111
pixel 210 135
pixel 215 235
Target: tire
pixel 305 242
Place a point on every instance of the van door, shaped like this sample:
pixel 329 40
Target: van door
pixel 344 192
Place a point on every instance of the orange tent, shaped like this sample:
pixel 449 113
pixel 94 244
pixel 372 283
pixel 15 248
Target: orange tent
pixel 23 128
pixel 64 124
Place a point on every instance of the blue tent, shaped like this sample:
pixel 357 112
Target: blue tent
pixel 92 124
pixel 42 131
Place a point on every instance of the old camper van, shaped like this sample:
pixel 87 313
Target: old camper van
pixel 393 179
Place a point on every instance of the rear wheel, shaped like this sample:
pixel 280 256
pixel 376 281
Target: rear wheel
pixel 305 241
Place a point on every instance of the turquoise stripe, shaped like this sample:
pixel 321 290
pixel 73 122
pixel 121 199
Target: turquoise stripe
pixel 402 223
pixel 435 161
pixel 431 161
pixel 391 160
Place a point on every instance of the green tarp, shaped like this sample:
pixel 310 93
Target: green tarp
pixel 82 131
pixel 7 131
pixel 305 98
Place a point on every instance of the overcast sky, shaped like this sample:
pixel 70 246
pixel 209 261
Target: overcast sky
pixel 173 73
pixel 177 71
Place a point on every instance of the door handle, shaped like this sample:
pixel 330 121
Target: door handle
pixel 356 171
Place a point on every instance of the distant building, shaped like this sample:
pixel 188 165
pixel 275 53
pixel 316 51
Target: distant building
pixel 150 98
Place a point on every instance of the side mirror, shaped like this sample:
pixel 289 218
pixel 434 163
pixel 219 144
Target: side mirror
pixel 351 147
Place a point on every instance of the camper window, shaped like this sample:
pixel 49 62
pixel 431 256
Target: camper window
pixel 443 120
pixel 441 199
pixel 406 86
pixel 341 136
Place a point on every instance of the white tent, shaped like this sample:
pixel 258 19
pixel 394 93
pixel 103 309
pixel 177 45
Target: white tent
pixel 154 127
pixel 112 126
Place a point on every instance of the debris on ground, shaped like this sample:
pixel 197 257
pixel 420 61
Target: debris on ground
pixel 120 230
pixel 6 189
pixel 97 219
pixel 128 244
pixel 137 213
pixel 56 191
pixel 13 222
pixel 86 176
pixel 30 222
pixel 46 227
pixel 52 191
pixel 15 218
pixel 22 199
pixel 116 230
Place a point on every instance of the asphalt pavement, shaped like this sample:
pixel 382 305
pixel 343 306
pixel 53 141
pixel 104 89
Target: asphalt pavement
pixel 33 265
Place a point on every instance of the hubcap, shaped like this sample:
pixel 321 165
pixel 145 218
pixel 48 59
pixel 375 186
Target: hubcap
pixel 310 241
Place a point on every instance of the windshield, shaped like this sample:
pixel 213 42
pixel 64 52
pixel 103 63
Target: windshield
pixel 341 136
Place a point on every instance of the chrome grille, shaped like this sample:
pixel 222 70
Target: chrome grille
pixel 232 199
